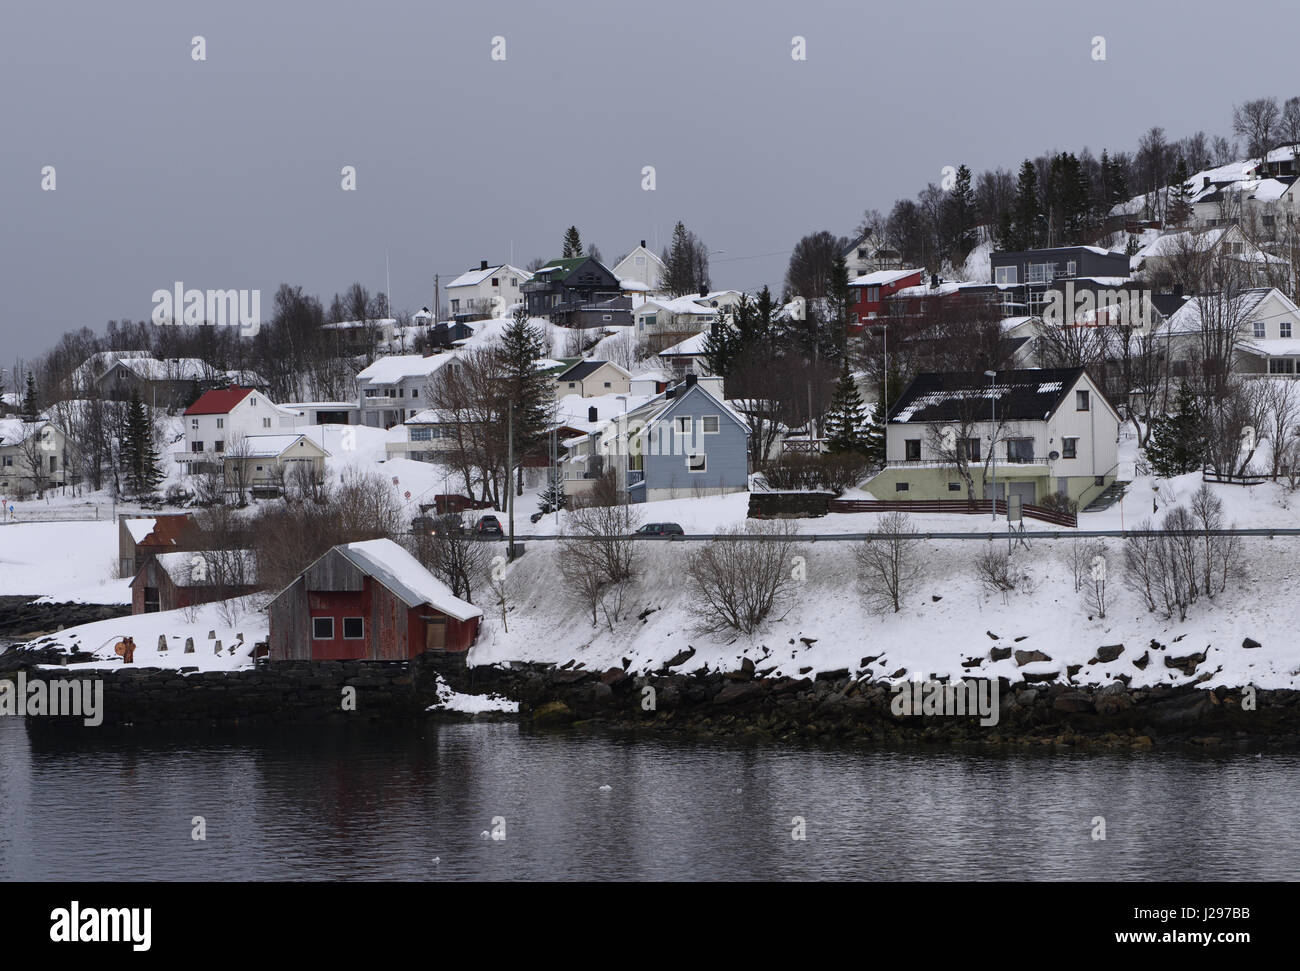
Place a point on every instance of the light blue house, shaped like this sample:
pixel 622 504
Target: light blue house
pixel 683 443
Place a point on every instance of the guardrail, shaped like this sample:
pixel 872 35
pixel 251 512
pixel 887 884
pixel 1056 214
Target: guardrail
pixel 1262 532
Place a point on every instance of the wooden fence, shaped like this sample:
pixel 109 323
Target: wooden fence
pixel 960 506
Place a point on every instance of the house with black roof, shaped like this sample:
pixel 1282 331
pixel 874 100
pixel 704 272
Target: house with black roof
pixel 1034 432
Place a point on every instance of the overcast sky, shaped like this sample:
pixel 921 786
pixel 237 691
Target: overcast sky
pixel 226 173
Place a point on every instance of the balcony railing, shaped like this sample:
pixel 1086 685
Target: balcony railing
pixel 973 463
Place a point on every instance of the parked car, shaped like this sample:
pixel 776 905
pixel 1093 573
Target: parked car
pixel 422 524
pixel 488 526
pixel 660 529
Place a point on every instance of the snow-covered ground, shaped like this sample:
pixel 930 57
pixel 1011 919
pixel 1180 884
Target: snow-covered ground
pixel 100 637
pixel 62 561
pixel 944 621
pixel 449 699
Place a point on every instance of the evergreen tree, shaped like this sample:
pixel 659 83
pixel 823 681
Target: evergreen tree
pixel 686 264
pixel 31 410
pixel 1026 230
pixel 521 347
pixel 552 497
pixel 846 417
pixel 838 301
pixel 572 243
pixel 959 218
pixel 1179 207
pixel 138 453
pixel 1177 442
pixel 874 438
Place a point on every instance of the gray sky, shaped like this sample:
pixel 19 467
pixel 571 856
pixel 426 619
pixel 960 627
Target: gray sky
pixel 226 173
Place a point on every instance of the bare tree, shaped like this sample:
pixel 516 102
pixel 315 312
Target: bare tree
pixel 887 564
pixel 598 557
pixel 236 459
pixel 1282 405
pixel 1094 588
pixel 1234 421
pixel 453 555
pixel 1256 121
pixel 33 451
pixel 743 575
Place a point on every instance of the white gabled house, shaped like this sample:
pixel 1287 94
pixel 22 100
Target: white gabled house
pixel 221 417
pixel 1051 430
pixel 641 266
pixel 33 456
pixel 486 292
pixel 393 388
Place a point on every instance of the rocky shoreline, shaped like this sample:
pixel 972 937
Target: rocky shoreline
pixel 22 619
pixel 834 706
pixel 838 706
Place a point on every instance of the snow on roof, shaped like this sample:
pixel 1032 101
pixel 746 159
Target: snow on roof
pixel 268 446
pixel 192 569
pixel 13 431
pixel 402 573
pixel 395 367
pixel 882 277
pixel 140 528
pixel 574 410
pixel 692 345
pixel 1187 318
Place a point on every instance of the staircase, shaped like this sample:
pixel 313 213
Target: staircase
pixel 1107 497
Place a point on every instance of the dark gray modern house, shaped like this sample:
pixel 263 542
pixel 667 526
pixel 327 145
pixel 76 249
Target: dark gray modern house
pixel 1035 272
pixel 576 292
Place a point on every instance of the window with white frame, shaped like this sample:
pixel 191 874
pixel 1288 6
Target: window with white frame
pixel 1281 365
pixel 1006 275
pixel 1069 448
pixel 1284 328
pixel 697 462
pixel 266 423
pixel 1259 330
pixel 221 423
pixel 709 424
pixel 684 425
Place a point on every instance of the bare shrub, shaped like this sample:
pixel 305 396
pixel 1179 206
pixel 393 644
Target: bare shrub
pixel 887 563
pixel 742 576
pixel 453 555
pixel 598 554
pixel 1079 555
pixel 1094 587
pixel 994 570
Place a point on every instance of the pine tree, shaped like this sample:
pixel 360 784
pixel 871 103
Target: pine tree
pixel 959 217
pixel 31 410
pixel 1176 445
pixel 552 497
pixel 846 418
pixel 1179 207
pixel 1026 229
pixel 686 264
pixel 138 453
pixel 874 438
pixel 838 300
pixel 521 347
pixel 572 243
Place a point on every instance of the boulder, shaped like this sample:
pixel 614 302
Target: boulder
pixel 999 653
pixel 1250 643
pixel 1109 652
pixel 553 713
pixel 1029 657
pixel 681 657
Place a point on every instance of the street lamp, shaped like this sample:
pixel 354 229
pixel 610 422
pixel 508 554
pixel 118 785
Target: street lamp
pixel 993 443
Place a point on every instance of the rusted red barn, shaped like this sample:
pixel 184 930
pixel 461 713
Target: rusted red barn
pixel 371 601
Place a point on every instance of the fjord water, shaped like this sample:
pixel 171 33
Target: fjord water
pixel 371 804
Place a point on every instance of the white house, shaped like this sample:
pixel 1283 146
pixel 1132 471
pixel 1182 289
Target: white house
pixel 269 462
pixel 221 417
pixel 33 456
pixel 868 254
pixel 393 388
pixel 1033 431
pixel 641 266
pixel 1269 330
pixel 489 291
pixel 587 378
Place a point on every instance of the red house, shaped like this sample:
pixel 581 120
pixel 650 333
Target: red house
pixel 370 601
pixel 870 292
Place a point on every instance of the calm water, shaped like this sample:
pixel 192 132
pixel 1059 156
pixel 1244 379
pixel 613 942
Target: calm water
pixel 341 805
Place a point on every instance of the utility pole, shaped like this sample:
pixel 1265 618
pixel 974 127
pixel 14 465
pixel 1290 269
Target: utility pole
pixel 437 312
pixel 510 477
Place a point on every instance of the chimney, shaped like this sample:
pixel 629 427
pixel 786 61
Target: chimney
pixel 934 281
pixel 482 264
pixel 670 393
pixel 704 291
pixel 643 244
pixel 592 414
pixel 691 380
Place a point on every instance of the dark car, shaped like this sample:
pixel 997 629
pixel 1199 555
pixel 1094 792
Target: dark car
pixel 488 526
pixel 660 529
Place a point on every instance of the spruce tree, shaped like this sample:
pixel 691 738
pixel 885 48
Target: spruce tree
pixel 31 410
pixel 838 300
pixel 1026 215
pixel 1179 206
pixel 521 347
pixel 552 497
pixel 874 438
pixel 1176 445
pixel 846 418
pixel 572 243
pixel 138 453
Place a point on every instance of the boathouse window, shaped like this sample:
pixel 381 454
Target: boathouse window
pixel 322 628
pixel 353 628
